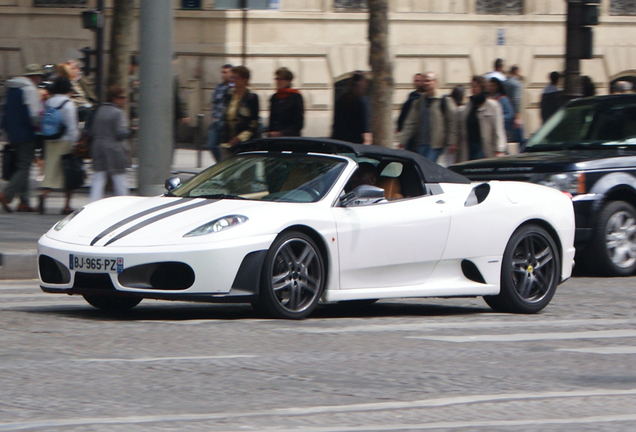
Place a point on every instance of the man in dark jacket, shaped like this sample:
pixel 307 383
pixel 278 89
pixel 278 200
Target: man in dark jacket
pixel 21 117
pixel 551 97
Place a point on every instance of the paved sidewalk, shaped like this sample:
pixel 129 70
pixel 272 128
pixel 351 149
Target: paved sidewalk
pixel 19 232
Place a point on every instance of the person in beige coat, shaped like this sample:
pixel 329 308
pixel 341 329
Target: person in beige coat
pixel 481 130
pixel 430 125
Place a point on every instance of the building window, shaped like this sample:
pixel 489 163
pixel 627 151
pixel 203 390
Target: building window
pixel 190 4
pixel 59 3
pixel 354 5
pixel 248 4
pixel 623 7
pixel 500 7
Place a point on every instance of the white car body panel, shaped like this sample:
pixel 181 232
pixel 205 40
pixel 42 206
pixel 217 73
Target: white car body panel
pixel 396 243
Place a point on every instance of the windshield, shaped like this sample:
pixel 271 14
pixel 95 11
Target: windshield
pixel 583 126
pixel 267 177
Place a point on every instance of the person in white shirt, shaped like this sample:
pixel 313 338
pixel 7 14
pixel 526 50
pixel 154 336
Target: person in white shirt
pixel 55 149
pixel 498 72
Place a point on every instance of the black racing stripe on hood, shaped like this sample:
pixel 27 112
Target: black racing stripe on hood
pixel 152 220
pixel 135 216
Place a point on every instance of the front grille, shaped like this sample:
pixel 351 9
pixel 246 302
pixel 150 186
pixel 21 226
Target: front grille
pixel 97 281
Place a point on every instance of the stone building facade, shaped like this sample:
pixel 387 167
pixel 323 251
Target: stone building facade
pixel 324 41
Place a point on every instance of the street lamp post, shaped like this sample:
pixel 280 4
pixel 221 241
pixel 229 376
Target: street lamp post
pixel 572 85
pixel 581 15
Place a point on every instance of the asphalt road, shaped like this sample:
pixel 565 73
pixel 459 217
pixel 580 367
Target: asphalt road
pixel 406 365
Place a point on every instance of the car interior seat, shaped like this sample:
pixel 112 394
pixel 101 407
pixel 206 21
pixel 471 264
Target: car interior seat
pixel 298 176
pixel 392 187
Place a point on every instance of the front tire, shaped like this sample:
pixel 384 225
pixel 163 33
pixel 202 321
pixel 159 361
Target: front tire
pixel 530 272
pixel 613 249
pixel 111 303
pixel 293 277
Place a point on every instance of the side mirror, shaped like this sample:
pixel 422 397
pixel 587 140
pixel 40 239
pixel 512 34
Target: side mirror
pixel 362 195
pixel 172 183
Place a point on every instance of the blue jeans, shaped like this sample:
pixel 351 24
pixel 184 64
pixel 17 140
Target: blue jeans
pixel 214 139
pixel 475 151
pixel 517 135
pixel 429 152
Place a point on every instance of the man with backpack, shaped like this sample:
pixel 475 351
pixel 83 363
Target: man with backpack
pixel 21 117
pixel 430 126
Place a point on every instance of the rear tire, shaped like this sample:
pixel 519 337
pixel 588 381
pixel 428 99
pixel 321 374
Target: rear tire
pixel 530 272
pixel 613 248
pixel 293 277
pixel 111 303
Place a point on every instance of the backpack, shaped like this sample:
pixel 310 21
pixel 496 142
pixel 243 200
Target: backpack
pixel 52 125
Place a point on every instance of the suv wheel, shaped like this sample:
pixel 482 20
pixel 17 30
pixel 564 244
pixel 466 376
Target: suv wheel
pixel 614 244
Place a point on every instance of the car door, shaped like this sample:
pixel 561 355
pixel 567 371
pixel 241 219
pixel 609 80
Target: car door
pixel 394 243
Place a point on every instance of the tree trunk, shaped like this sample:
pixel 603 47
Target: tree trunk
pixel 382 94
pixel 120 43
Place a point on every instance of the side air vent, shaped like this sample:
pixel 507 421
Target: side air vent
pixel 166 276
pixel 477 195
pixel 52 271
pixel 471 272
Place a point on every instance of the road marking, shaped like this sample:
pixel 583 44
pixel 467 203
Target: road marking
pixel 25 296
pixel 509 424
pixel 522 337
pixel 377 406
pixel 461 325
pixel 603 350
pixel 160 359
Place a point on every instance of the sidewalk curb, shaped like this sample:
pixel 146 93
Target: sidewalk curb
pixel 18 265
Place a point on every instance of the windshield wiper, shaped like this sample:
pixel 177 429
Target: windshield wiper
pixel 219 196
pixel 545 147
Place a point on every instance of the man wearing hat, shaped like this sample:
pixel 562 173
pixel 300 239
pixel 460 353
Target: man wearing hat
pixel 21 117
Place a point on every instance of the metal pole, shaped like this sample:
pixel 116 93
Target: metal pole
pixel 244 32
pixel 572 85
pixel 156 99
pixel 99 55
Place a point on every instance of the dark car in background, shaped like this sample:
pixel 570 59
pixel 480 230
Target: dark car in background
pixel 587 149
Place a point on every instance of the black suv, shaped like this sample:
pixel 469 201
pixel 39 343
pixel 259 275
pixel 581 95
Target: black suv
pixel 588 149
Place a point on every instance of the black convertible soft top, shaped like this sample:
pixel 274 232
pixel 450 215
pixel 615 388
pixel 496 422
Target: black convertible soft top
pixel 432 172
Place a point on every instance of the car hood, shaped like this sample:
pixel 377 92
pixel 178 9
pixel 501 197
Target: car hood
pixel 161 221
pixel 547 162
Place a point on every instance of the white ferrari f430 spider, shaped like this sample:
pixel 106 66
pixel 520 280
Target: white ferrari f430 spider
pixel 287 223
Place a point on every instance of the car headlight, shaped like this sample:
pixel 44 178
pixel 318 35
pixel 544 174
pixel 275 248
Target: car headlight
pixel 218 225
pixel 61 224
pixel 573 183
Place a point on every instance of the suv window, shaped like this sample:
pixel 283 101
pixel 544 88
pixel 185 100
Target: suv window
pixel 587 125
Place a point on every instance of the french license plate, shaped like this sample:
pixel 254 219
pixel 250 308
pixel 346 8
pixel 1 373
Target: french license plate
pixel 95 264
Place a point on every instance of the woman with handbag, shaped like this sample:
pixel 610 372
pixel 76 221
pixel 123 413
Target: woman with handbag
pixel 108 130
pixel 55 149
